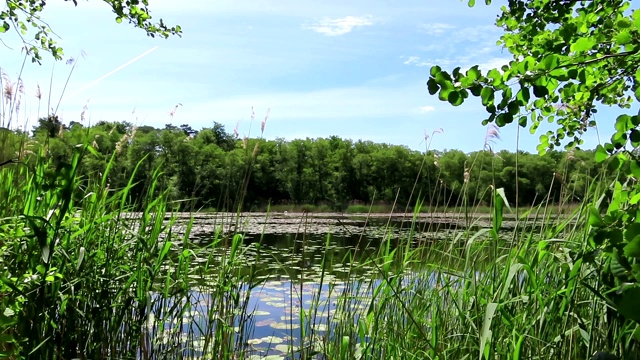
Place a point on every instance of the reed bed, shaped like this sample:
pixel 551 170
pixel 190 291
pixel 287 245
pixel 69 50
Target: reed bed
pixel 87 273
pixel 83 279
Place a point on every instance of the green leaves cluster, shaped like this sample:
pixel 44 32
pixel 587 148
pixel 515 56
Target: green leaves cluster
pixel 568 57
pixel 25 15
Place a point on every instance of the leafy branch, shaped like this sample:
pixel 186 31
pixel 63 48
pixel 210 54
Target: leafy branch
pixel 19 14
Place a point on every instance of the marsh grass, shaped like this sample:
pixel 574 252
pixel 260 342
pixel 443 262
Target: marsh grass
pixel 83 277
pixel 85 273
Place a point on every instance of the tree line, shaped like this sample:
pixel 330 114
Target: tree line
pixel 214 169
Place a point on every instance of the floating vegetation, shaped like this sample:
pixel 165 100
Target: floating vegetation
pixel 266 340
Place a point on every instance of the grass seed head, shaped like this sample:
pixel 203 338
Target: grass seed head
pixel 264 122
pixel 493 134
pixel 7 87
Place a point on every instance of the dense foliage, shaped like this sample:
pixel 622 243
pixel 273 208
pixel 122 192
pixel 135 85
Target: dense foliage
pixel 209 166
pixel 569 57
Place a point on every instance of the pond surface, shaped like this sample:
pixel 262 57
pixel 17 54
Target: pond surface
pixel 308 273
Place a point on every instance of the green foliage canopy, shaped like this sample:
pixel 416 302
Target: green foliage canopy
pixel 570 56
pixel 208 166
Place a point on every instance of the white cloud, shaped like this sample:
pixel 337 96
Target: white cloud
pixel 412 60
pixel 436 28
pixel 426 109
pixel 417 61
pixel 493 63
pixel 486 34
pixel 341 26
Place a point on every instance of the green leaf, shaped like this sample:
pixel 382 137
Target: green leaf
pixel 636 18
pixel 550 61
pixel 522 121
pixel 504 119
pixel 487 95
pixel 485 332
pixel 624 23
pixel 513 108
pixel 623 123
pixel 595 219
pixel 119 19
pixel 540 91
pixel 634 137
pixel 474 73
pixel 435 70
pixel 476 89
pixel 635 168
pixel 496 76
pixel 624 37
pixel 583 44
pixel 630 303
pixel 617 269
pixel 524 96
pixel 454 98
pixel 472 3
pixel 432 86
pixel 601 154
pixel 632 235
pixel 5 27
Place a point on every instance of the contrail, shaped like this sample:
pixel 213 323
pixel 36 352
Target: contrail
pixel 114 70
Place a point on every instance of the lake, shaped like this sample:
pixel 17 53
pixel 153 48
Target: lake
pixel 293 279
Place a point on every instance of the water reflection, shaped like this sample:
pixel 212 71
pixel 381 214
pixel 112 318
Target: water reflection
pixel 298 288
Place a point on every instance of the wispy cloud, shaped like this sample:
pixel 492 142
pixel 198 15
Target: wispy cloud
pixel 436 28
pixel 486 34
pixel 466 46
pixel 426 109
pixel 417 61
pixel 341 26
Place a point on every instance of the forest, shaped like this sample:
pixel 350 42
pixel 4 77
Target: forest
pixel 213 169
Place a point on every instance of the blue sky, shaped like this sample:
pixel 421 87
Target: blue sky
pixel 356 69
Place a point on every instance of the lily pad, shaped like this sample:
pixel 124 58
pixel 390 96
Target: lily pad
pixel 284 326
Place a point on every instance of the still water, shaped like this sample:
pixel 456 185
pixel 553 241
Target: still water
pixel 301 277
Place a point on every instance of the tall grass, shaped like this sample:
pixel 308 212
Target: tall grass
pixel 85 273
pixel 83 276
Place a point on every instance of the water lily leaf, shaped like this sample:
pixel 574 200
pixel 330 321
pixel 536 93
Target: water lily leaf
pixel 264 323
pixel 276 304
pixel 285 348
pixel 284 326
